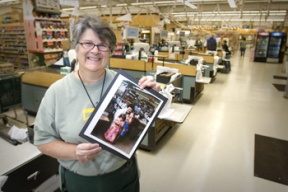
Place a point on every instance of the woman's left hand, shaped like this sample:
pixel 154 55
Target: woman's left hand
pixel 85 152
pixel 147 82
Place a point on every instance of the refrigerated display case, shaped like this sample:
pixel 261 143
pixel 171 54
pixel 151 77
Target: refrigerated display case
pixel 274 47
pixel 261 47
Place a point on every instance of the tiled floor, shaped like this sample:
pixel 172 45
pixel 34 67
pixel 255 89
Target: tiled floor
pixel 213 150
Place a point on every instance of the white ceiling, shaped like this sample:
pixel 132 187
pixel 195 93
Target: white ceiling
pixel 260 12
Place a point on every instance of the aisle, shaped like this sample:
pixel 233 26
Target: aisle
pixel 213 150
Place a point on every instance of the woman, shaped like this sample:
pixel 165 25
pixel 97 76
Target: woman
pixel 66 107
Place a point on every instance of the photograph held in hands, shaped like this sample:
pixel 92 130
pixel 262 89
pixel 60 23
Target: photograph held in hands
pixel 123 116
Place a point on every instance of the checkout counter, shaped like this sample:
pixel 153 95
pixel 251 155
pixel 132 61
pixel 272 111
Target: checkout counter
pixel 210 60
pixel 162 125
pixel 192 89
pixel 26 167
pixel 35 83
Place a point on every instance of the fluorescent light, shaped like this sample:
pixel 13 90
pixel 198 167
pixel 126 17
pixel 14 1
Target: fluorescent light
pixel 226 13
pixel 90 7
pixel 232 3
pixel 5 1
pixel 278 12
pixel 163 2
pixel 121 5
pixel 144 3
pixel 68 9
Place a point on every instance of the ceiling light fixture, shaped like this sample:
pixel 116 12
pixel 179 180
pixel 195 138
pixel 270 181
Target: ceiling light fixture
pixel 6 1
pixel 68 9
pixel 89 7
pixel 232 3
pixel 121 5
pixel 164 2
pixel 144 3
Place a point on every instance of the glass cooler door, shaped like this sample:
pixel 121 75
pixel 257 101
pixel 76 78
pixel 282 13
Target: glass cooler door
pixel 261 47
pixel 274 47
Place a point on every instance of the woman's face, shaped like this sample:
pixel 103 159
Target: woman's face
pixel 92 59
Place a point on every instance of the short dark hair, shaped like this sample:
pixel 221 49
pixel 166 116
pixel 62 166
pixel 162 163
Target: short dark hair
pixel 131 106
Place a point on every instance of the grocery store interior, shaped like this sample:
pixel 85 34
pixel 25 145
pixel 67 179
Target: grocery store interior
pixel 224 126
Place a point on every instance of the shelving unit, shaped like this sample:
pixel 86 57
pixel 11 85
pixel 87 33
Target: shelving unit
pixel 13 47
pixel 47 35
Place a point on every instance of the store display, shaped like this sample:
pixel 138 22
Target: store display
pixel 261 47
pixel 274 47
pixel 6 68
pixel 13 47
pixel 121 50
pixel 46 34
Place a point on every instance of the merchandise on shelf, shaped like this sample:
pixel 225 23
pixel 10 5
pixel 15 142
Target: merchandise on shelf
pixel 13 47
pixel 121 49
pixel 45 31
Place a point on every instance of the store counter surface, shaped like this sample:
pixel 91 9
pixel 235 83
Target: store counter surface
pixel 205 80
pixel 177 113
pixel 13 157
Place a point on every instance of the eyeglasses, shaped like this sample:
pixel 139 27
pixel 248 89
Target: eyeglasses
pixel 90 45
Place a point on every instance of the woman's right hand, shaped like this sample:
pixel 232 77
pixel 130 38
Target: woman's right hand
pixel 87 151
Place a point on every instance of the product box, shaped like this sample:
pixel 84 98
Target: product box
pixel 164 77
